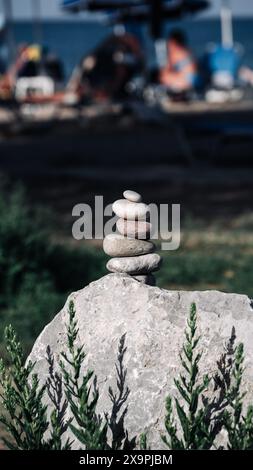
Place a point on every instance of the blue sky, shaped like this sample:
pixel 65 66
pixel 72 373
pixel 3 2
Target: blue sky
pixel 50 8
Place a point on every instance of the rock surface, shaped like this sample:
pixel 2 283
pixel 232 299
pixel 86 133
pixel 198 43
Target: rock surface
pixel 153 321
pixel 143 264
pixel 119 246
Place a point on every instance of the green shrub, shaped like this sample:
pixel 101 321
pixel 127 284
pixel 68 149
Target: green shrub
pixel 238 426
pixel 25 416
pixel 22 396
pixel 36 275
pixel 195 420
pixel 89 430
pixel 202 418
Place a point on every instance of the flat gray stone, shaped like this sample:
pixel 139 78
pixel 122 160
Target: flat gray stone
pixel 153 322
pixel 132 196
pixel 118 246
pixel 130 210
pixel 134 229
pixel 143 264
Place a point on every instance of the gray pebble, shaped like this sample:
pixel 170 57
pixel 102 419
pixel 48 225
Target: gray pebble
pixel 143 264
pixel 118 246
pixel 134 229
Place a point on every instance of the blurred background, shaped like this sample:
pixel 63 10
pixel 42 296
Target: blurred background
pixel 101 96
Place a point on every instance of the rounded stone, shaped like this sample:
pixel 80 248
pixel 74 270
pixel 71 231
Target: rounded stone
pixel 143 264
pixel 147 279
pixel 118 246
pixel 132 196
pixel 130 210
pixel 134 229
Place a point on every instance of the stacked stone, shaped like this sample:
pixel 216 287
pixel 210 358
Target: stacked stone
pixel 131 250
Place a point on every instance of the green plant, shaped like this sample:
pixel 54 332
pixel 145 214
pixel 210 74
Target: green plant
pixel 238 426
pixel 195 421
pixel 22 396
pixel 143 442
pixel 89 428
pixel 55 391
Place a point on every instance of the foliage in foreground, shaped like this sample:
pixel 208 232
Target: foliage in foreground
pixel 196 421
pixel 202 416
pixel 194 418
pixel 22 397
pixel 89 430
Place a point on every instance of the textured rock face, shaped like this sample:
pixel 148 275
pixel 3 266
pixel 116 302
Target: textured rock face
pixel 153 321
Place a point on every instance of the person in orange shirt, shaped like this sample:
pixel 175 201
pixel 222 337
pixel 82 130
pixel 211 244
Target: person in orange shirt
pixel 180 74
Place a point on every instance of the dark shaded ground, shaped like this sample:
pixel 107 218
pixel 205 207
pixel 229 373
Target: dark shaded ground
pixel 209 174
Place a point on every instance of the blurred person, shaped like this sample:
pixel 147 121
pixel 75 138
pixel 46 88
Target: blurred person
pixel 246 75
pixel 34 74
pixel 104 74
pixel 25 55
pixel 181 72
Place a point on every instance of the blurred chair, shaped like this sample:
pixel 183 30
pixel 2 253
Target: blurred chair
pixel 223 64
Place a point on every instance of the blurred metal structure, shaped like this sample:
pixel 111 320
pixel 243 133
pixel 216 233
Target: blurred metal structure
pixel 226 24
pixel 8 23
pixel 37 22
pixel 154 12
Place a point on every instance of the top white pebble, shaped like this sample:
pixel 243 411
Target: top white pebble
pixel 132 196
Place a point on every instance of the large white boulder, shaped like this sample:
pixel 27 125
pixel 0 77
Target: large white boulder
pixel 153 322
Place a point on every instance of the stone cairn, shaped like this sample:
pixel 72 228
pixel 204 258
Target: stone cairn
pixel 130 248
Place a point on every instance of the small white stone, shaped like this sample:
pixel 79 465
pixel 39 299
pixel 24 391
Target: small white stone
pixel 130 210
pixel 132 196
